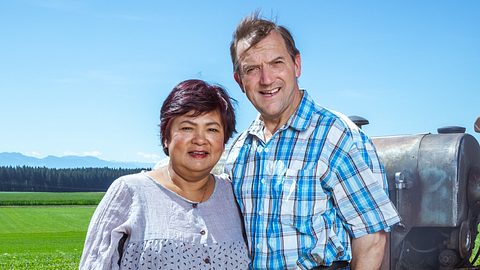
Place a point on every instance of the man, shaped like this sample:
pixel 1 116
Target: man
pixel 476 126
pixel 307 180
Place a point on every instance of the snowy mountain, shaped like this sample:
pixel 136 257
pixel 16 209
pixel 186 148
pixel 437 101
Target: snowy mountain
pixel 18 159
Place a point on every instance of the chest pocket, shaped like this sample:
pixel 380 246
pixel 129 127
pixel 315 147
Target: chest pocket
pixel 301 195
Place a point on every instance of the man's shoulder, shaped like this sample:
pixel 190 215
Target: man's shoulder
pixel 326 118
pixel 234 148
pixel 238 141
pixel 338 128
pixel 343 121
pixel 325 115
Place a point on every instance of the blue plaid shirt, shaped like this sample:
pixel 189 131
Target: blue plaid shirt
pixel 304 193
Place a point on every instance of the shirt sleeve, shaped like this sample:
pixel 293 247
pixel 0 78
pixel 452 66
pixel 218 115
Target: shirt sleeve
pixel 360 192
pixel 106 229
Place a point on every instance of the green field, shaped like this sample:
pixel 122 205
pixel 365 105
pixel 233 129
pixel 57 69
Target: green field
pixel 48 236
pixel 43 236
pixel 50 198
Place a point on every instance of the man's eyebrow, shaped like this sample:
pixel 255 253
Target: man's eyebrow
pixel 276 59
pixel 249 65
pixel 269 61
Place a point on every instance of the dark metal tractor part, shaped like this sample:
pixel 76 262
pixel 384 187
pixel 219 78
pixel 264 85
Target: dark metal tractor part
pixel 434 181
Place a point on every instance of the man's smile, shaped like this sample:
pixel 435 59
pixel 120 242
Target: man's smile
pixel 270 92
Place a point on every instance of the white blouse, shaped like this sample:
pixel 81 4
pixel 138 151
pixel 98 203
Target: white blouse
pixel 140 224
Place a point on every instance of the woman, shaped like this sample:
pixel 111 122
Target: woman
pixel 178 216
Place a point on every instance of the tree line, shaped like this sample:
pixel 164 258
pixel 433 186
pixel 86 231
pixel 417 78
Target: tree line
pixel 42 179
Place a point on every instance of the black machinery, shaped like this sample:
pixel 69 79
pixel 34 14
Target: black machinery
pixel 434 181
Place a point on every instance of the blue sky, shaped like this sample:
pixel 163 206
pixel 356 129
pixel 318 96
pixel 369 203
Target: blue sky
pixel 89 77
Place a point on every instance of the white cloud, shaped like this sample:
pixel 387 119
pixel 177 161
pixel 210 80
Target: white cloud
pixel 35 154
pixel 93 153
pixel 149 157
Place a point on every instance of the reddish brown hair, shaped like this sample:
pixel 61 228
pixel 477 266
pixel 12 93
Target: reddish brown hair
pixel 199 97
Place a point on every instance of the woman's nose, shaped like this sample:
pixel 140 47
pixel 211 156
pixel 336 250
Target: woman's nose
pixel 199 137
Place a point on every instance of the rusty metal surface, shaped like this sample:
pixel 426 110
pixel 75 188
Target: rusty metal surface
pixel 443 197
pixel 400 154
pixel 436 166
pixel 434 181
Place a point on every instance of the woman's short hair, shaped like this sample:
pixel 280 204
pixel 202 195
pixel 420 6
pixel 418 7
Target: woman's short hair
pixel 199 97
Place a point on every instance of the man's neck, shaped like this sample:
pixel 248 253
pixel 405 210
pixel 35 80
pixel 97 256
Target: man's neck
pixel 274 124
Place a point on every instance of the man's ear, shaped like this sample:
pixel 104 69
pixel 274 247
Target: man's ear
pixel 298 65
pixel 236 76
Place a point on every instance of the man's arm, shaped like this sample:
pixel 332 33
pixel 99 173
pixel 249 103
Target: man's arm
pixel 368 250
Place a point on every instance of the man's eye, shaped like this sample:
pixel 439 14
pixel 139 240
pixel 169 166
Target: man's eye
pixel 186 128
pixel 213 130
pixel 250 70
pixel 277 63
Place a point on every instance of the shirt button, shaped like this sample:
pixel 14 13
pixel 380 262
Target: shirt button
pixel 202 232
pixel 194 205
pixel 263 180
pixel 207 260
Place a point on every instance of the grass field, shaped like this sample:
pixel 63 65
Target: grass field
pixel 50 198
pixel 49 237
pixel 46 236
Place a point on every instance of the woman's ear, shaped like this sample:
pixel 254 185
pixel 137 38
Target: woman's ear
pixel 165 148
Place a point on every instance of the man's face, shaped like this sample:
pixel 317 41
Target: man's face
pixel 268 76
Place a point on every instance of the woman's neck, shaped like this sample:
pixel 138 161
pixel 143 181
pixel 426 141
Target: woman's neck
pixel 196 190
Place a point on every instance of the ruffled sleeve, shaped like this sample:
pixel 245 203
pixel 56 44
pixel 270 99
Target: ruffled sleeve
pixel 107 227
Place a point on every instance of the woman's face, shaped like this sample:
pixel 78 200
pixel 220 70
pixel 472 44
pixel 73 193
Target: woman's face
pixel 196 144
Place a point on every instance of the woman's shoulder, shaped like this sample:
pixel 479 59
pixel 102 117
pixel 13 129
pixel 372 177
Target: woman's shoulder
pixel 132 180
pixel 223 178
pixel 223 185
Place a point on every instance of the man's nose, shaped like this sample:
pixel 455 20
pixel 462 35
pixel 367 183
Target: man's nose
pixel 266 75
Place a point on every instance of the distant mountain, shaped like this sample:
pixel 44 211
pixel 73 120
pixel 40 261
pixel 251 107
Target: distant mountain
pixel 17 159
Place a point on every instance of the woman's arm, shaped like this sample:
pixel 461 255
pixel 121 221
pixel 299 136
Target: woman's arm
pixel 106 229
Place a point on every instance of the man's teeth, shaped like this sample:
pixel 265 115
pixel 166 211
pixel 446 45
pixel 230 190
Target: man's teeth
pixel 199 153
pixel 271 92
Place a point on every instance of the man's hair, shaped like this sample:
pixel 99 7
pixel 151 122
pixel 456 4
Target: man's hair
pixel 199 97
pixel 253 29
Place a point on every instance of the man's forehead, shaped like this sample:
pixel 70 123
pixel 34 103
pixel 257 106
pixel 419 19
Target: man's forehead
pixel 273 42
pixel 242 46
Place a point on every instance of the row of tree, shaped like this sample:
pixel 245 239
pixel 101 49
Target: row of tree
pixel 24 178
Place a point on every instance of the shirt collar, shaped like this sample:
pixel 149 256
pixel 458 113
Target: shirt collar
pixel 299 120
